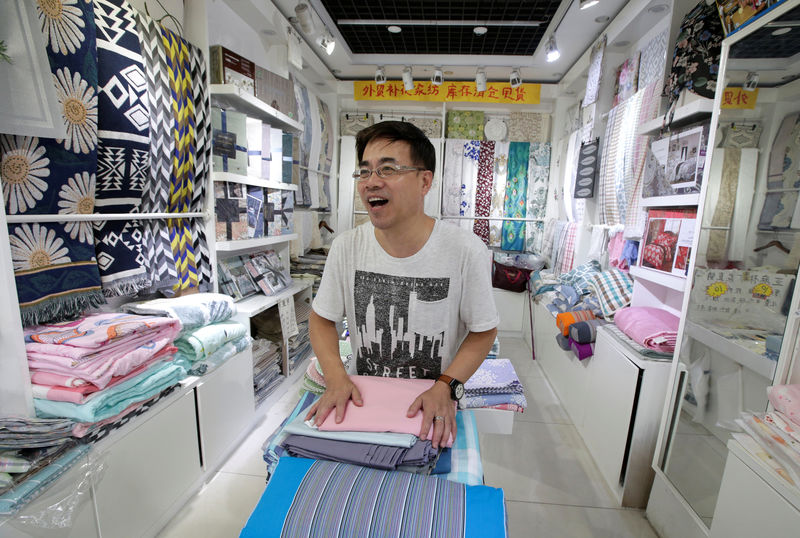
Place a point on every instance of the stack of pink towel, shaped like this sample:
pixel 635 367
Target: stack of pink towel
pixel 651 327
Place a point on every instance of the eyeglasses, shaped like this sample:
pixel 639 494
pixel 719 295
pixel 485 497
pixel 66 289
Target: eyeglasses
pixel 384 171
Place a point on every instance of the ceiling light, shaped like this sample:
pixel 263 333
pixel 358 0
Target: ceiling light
pixel 380 75
pixel 551 50
pixel 408 79
pixel 304 18
pixel 394 29
pixel 558 75
pixel 602 18
pixel 515 79
pixel 480 30
pixel 586 4
pixel 438 77
pixel 621 43
pixel 327 42
pixel 781 31
pixel 658 8
pixel 480 81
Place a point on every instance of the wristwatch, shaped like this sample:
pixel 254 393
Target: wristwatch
pixel 456 386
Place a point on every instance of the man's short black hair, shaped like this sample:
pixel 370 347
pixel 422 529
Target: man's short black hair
pixel 422 152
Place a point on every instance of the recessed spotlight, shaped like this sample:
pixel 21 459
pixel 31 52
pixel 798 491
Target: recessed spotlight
pixel 558 75
pixel 336 71
pixel 394 29
pixel 268 31
pixel 448 73
pixel 480 30
pixel 781 31
pixel 601 19
pixel 658 8
pixel 621 43
pixel 586 4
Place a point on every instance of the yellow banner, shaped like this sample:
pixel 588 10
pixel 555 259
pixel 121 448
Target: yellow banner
pixel 739 98
pixel 452 91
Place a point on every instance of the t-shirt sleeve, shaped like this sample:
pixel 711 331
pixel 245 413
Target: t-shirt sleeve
pixel 478 311
pixel 330 299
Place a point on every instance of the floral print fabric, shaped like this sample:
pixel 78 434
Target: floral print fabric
pixel 483 190
pixel 54 263
pixel 498 193
pixel 528 127
pixel 465 124
pixel 516 192
pixel 595 72
pixel 538 182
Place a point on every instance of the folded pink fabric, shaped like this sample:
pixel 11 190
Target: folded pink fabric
pixel 654 328
pixel 386 400
pixel 54 379
pixel 786 399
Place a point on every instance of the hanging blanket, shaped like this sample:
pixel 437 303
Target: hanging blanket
pixel 515 204
pixel 500 176
pixel 538 182
pixel 483 190
pixel 54 263
pixel 113 400
pixel 123 148
pixel 318 498
pixel 386 401
pixel 493 377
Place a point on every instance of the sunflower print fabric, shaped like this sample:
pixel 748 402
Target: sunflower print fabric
pixel 54 262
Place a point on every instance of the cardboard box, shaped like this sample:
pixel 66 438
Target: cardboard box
pixel 227 67
pixel 276 91
pixel 229 141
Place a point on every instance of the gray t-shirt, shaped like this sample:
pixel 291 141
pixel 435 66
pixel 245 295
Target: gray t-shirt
pixel 408 316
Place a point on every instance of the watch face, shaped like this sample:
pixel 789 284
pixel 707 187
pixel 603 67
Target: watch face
pixel 459 391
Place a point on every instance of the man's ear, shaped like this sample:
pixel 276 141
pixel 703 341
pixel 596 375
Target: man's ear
pixel 427 181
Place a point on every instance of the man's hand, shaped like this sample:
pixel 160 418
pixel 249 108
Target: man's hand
pixel 336 396
pixel 437 409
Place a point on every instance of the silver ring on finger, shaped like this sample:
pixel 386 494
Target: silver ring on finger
pixel 438 417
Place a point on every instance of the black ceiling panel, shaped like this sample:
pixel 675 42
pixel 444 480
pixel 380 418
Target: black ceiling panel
pixel 442 38
pixel 763 44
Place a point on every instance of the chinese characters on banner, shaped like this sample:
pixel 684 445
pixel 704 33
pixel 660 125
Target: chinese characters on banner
pixel 739 98
pixel 454 91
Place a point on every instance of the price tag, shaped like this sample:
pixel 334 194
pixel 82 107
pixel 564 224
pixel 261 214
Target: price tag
pixel 288 318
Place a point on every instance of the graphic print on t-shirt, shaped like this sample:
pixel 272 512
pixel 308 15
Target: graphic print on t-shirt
pixel 402 325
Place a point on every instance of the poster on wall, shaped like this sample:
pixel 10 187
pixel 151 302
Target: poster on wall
pixel 667 244
pixel 674 163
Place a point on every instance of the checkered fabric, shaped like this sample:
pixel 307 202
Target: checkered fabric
pixel 613 288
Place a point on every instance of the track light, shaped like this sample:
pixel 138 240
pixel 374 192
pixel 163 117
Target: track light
pixel 480 81
pixel 438 77
pixel 551 50
pixel 327 42
pixel 586 4
pixel 408 79
pixel 304 19
pixel 515 79
pixel 380 75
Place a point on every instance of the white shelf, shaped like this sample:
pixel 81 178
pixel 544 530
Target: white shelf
pixel 258 303
pixel 693 111
pixel 229 96
pixel 750 360
pixel 661 278
pixel 252 181
pixel 258 242
pixel 671 201
pixel 789 492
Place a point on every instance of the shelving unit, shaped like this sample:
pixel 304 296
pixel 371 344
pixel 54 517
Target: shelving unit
pixel 668 280
pixel 671 201
pixel 253 181
pixel 242 245
pixel 247 308
pixel 753 361
pixel 229 96
pixel 697 110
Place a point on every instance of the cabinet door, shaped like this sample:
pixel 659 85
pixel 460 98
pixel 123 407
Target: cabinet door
pixel 610 399
pixel 149 470
pixel 225 406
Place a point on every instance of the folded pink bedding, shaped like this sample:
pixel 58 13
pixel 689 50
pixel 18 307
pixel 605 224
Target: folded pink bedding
pixel 386 401
pixel 786 399
pixel 653 328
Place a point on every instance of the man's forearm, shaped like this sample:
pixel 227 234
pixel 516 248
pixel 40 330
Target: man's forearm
pixel 325 342
pixel 471 354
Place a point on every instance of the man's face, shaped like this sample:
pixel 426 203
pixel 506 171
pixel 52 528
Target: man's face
pixel 392 201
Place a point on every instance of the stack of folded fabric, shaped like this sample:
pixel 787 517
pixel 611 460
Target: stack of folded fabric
pixel 564 321
pixel 310 264
pixel 95 367
pixel 495 385
pixel 582 336
pixel 377 434
pixel 208 337
pixel 314 378
pixel 267 365
pixel 495 351
pixel 774 437
pixel 653 328
pixel 300 344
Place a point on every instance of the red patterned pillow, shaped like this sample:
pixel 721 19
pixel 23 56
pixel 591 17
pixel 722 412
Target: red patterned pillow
pixel 666 239
pixel 654 255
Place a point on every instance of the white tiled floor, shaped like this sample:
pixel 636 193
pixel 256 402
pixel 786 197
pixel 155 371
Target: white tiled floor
pixel 552 487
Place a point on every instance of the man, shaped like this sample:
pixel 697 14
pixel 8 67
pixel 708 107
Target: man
pixel 416 291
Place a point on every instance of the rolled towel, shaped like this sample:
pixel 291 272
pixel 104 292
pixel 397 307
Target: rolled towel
pixel 581 351
pixel 585 332
pixel 563 341
pixel 565 319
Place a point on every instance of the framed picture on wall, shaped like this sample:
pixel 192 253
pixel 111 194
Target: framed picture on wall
pixel 674 162
pixel 667 244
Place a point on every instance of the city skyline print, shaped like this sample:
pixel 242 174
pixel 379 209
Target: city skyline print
pixel 401 323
